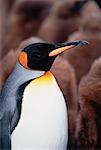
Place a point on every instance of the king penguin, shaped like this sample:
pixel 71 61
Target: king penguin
pixel 33 113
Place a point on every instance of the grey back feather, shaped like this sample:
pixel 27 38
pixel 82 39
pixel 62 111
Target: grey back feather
pixel 10 96
pixel 11 100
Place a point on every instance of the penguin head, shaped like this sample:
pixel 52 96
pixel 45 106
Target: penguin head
pixel 40 56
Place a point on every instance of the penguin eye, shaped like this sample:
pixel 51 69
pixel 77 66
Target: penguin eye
pixel 37 55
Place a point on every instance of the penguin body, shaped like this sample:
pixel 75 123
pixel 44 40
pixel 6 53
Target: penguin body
pixel 43 122
pixel 33 113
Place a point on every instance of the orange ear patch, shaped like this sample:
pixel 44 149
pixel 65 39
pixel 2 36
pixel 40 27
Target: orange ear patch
pixel 23 59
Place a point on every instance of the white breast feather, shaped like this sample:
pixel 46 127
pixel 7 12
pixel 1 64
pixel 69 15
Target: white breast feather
pixel 43 123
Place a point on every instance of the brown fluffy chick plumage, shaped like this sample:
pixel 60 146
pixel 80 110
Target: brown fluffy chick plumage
pixel 82 58
pixel 23 21
pixel 63 19
pixel 89 121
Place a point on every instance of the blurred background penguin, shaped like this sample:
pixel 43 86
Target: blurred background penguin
pixel 29 21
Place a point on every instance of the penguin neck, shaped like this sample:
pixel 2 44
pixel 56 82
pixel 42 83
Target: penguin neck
pixel 22 73
pixel 46 79
pixel 27 74
pixel 19 76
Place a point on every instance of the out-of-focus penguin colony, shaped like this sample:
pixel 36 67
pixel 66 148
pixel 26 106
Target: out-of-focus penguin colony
pixel 77 71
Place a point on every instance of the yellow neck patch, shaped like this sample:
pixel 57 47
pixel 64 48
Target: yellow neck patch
pixel 47 78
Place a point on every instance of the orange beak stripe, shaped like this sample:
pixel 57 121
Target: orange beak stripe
pixel 60 50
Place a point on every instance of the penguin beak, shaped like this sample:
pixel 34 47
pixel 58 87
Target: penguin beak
pixel 66 46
